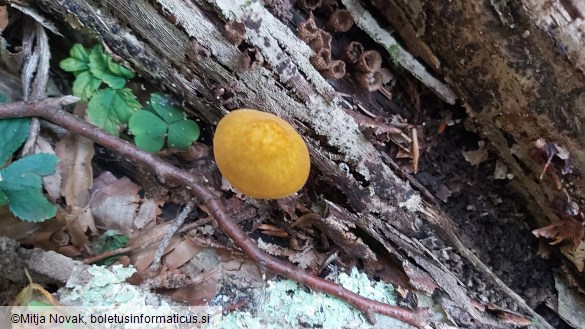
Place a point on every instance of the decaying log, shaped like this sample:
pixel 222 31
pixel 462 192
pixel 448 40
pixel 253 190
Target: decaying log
pixel 180 45
pixel 518 67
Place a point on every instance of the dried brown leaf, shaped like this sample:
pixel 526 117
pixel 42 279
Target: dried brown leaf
pixel 443 193
pixel 181 254
pixel 76 154
pixel 566 229
pixel 13 227
pixel 115 206
pixel 78 220
pixel 200 291
pixel 149 210
pixel 52 183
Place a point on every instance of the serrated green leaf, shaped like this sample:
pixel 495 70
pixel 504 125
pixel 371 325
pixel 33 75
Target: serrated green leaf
pixel 111 109
pixel 77 60
pixel 85 85
pixel 149 130
pixel 182 134
pixel 98 66
pixel 73 65
pixel 21 184
pixel 79 52
pixel 164 109
pixel 13 132
pixel 119 70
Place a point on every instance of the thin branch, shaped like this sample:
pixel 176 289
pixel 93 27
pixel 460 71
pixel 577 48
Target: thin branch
pixel 165 242
pixel 109 253
pixel 47 110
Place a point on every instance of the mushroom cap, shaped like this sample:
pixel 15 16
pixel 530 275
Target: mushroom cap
pixel 260 154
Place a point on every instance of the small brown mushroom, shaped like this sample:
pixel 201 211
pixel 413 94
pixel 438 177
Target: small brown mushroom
pixel 322 59
pixel 352 52
pixel 340 21
pixel 235 32
pixel 369 61
pixel 308 30
pixel 309 4
pixel 328 7
pixel 335 71
pixel 252 58
pixel 370 81
pixel 322 41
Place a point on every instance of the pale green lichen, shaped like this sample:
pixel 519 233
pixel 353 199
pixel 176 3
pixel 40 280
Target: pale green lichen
pixel 107 295
pixel 286 304
pixel 106 288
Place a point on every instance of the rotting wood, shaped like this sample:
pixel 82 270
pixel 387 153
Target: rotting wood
pixel 50 109
pixel 302 96
pixel 529 58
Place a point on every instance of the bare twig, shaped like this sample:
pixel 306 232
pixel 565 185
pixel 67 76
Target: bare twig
pixel 47 110
pixel 415 151
pixel 172 230
pixel 109 253
pixel 35 74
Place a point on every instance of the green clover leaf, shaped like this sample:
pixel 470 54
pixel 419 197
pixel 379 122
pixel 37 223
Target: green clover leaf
pixel 160 120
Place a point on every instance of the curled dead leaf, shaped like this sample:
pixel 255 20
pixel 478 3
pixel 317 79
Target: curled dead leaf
pixel 568 229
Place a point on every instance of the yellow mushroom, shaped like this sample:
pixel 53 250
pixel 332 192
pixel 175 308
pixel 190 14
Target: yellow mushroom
pixel 260 155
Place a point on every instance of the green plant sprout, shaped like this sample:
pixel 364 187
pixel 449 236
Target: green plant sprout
pixel 159 121
pixel 111 108
pixel 110 240
pixel 108 108
pixel 20 182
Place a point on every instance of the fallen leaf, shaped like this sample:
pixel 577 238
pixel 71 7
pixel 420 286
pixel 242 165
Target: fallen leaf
pixel 200 291
pixel 183 252
pixel 13 227
pixel 149 210
pixel 76 153
pixel 52 183
pixel 566 229
pixel 443 193
pixel 35 294
pixel 114 206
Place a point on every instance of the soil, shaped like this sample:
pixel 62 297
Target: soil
pixel 494 221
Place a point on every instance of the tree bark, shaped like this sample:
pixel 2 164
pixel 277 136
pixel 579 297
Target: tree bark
pixel 181 45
